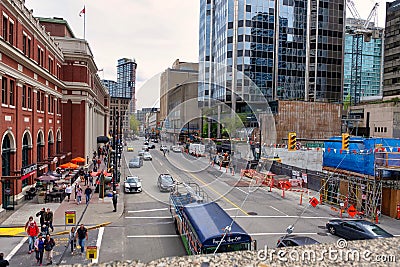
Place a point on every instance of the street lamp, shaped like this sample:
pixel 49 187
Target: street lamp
pixel 115 147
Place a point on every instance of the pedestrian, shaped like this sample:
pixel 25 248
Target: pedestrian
pixel 98 163
pixel 49 244
pixel 68 191
pixel 41 214
pixel 79 195
pixel 48 219
pixel 3 262
pixel 115 200
pixel 72 240
pixel 32 230
pixel 77 186
pixel 39 248
pixel 81 236
pixel 86 176
pixel 90 179
pixel 88 193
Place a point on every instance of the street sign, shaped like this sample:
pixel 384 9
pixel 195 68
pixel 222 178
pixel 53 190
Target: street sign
pixel 314 202
pixel 70 217
pixel 91 252
pixel 352 211
pixel 315 145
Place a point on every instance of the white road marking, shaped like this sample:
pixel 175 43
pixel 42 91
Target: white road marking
pixel 286 216
pixel 161 163
pixel 278 210
pixel 137 211
pixel 259 234
pixel 231 209
pixel 98 244
pixel 151 236
pixel 17 247
pixel 149 217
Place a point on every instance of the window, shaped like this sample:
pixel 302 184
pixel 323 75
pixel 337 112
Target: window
pixel 4 90
pixel 48 104
pixel 11 33
pixel 5 28
pixel 42 101
pixel 40 56
pixel 50 66
pixel 29 97
pixel 24 44
pixel 58 71
pixel 24 96
pixel 12 90
pixel 38 100
pixel 29 48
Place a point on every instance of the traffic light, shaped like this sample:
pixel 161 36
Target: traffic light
pixel 292 141
pixel 345 141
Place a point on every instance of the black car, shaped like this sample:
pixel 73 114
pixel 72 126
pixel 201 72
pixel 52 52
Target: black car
pixel 295 240
pixel 356 229
pixel 152 146
pixel 165 183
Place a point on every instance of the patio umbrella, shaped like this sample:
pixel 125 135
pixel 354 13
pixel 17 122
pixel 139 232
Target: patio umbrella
pixel 69 165
pixel 78 160
pixel 47 178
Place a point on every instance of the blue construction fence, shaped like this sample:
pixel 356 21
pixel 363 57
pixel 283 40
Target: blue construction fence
pixel 362 154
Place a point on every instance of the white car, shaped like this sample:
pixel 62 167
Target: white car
pixel 176 149
pixel 132 184
pixel 147 156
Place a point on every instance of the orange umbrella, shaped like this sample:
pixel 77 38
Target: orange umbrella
pixel 78 160
pixel 69 165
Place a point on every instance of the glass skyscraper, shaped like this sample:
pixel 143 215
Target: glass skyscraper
pixel 371 60
pixel 291 49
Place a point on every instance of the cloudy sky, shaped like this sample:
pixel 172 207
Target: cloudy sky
pixel 154 32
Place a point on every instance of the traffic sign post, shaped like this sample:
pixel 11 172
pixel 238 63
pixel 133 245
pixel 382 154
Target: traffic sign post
pixel 352 211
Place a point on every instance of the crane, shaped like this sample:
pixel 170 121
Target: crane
pixel 361 32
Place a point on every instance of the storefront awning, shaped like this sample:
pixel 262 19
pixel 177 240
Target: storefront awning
pixel 27 175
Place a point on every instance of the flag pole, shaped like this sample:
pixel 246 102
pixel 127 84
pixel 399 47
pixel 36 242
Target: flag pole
pixel 84 23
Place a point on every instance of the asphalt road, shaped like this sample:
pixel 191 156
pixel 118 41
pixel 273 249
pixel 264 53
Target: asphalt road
pixel 146 230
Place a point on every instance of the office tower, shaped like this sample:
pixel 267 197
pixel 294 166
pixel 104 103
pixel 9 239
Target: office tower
pixel 126 80
pixel 301 59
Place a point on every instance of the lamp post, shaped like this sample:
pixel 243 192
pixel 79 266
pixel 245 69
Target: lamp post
pixel 115 146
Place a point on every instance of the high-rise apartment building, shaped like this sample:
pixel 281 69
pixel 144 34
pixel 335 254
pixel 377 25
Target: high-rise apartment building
pixel 365 80
pixel 391 74
pixel 292 50
pixel 126 80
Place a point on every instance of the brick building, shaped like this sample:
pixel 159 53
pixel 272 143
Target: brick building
pixel 39 82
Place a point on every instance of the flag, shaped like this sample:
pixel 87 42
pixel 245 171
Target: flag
pixel 82 12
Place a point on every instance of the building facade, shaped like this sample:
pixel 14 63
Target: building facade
pixel 391 74
pixel 85 102
pixel 299 60
pixel 39 79
pixel 362 82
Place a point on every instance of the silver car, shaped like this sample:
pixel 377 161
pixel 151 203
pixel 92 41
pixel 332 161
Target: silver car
pixel 136 162
pixel 147 156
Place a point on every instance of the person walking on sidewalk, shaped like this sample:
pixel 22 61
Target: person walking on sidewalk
pixel 72 240
pixel 3 262
pixel 115 200
pixel 49 244
pixel 48 219
pixel 39 248
pixel 81 236
pixel 41 214
pixel 32 230
pixel 79 195
pixel 88 193
pixel 68 191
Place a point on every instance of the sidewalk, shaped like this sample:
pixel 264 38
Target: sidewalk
pixel 99 212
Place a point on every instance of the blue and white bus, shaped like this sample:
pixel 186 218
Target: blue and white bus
pixel 202 224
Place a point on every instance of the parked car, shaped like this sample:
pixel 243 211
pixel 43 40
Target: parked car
pixel 165 182
pixel 295 240
pixel 132 184
pixel 129 149
pixel 356 229
pixel 176 149
pixel 136 162
pixel 141 153
pixel 147 156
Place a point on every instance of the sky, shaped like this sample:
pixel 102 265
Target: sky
pixel 153 32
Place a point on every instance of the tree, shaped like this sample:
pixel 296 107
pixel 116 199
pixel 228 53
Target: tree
pixel 134 124
pixel 231 125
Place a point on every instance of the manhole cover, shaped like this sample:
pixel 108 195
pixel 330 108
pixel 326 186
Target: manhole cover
pixel 252 213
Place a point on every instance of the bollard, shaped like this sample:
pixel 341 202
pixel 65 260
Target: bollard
pixel 226 169
pixel 271 184
pixel 233 171
pixel 301 198
pixel 283 193
pixel 220 165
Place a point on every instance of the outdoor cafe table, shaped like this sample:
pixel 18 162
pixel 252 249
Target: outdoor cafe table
pixel 52 196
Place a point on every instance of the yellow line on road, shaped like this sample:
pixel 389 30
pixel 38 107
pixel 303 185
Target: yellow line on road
pixel 222 196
